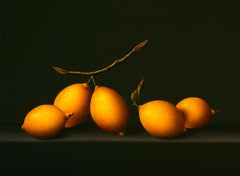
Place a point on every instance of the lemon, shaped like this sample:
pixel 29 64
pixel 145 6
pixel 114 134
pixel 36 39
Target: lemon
pixel 197 112
pixel 75 99
pixel 109 110
pixel 44 121
pixel 161 119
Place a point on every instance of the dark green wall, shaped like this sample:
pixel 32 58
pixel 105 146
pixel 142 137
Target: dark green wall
pixel 192 51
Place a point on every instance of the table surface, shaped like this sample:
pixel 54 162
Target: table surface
pixel 86 149
pixel 89 132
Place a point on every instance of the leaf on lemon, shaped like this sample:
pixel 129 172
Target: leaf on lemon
pixel 135 95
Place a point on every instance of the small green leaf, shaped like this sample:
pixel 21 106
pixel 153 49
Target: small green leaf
pixel 135 95
pixel 139 88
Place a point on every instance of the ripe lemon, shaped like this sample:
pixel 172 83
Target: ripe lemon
pixel 197 112
pixel 109 110
pixel 44 121
pixel 75 99
pixel 161 119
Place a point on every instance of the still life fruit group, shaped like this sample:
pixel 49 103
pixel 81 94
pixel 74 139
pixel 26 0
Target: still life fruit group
pixel 110 111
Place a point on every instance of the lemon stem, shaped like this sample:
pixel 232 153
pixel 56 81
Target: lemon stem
pixel 218 110
pixel 116 62
pixel 93 80
pixel 135 104
pixel 89 80
pixel 215 111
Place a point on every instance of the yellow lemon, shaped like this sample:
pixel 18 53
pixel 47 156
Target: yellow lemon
pixel 44 121
pixel 197 112
pixel 161 119
pixel 109 110
pixel 75 99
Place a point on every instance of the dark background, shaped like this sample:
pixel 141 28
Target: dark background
pixel 192 51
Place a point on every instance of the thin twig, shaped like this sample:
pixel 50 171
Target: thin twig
pixel 116 62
